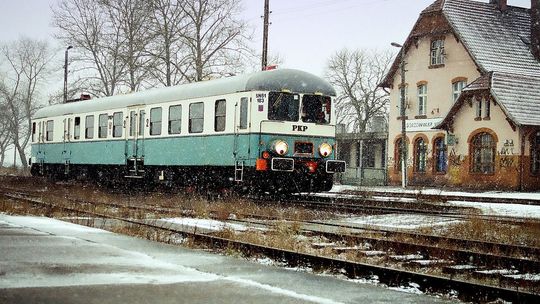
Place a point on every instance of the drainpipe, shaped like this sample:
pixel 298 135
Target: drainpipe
pixel 521 156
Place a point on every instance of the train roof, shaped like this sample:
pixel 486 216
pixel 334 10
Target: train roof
pixel 275 80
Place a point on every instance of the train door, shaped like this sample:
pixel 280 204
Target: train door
pixel 66 151
pixel 135 134
pixel 242 137
pixel 40 153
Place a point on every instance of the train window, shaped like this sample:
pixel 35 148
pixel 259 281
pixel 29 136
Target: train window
pixel 142 117
pixel 316 108
pixel 155 121
pixel 50 129
pixel 175 119
pixel 33 132
pixel 77 128
pixel 219 120
pixel 102 130
pixel 283 106
pixel 132 122
pixel 196 117
pixel 118 124
pixel 243 113
pixel 89 127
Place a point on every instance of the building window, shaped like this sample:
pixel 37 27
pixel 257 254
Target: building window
pixel 478 108
pixel 102 130
pixel 422 99
pixel 439 155
pixel 196 117
pixel 437 52
pixel 175 119
pixel 219 119
pixel 535 153
pixel 155 121
pixel 483 153
pixel 77 128
pixel 50 129
pixel 118 124
pixel 398 154
pixel 89 127
pixel 487 108
pixel 457 87
pixel 420 148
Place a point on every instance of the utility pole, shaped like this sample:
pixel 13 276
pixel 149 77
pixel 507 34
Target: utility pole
pixel 402 114
pixel 66 72
pixel 265 35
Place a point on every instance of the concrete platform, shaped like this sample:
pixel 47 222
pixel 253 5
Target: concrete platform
pixel 44 260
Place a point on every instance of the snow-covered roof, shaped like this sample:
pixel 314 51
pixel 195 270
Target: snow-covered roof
pixel 274 80
pixel 519 95
pixel 497 41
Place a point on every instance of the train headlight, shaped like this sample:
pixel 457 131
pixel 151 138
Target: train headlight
pixel 280 147
pixel 325 149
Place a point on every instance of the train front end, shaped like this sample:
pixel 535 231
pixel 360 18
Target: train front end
pixel 296 144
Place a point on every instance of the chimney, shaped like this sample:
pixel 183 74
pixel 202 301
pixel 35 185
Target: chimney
pixel 502 5
pixel 535 28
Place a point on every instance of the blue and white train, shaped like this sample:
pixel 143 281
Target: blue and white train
pixel 270 130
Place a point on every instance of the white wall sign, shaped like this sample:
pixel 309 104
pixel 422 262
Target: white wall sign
pixel 421 124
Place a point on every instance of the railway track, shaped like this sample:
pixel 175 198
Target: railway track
pixel 470 290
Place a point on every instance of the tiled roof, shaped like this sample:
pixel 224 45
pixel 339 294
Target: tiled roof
pixel 497 41
pixel 519 95
pixel 494 39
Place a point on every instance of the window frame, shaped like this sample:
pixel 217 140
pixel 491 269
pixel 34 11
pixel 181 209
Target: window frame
pixel 87 127
pixel 77 128
pixel 49 131
pixel 534 142
pixel 243 113
pixel 440 155
pixel 178 120
pixel 436 52
pixel 457 88
pixel 34 131
pixel 193 119
pixel 118 126
pixel 220 117
pixel 103 129
pixel 156 126
pixel 480 150
pixel 420 155
pixel 422 93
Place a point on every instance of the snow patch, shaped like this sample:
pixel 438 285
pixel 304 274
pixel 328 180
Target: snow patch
pixel 401 221
pixel 208 224
pixel 513 210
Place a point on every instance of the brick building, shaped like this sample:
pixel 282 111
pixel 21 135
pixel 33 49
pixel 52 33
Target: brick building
pixel 472 86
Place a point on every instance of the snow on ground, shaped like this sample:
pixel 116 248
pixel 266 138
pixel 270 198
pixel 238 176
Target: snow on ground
pixel 400 221
pixel 207 224
pixel 494 194
pixel 511 210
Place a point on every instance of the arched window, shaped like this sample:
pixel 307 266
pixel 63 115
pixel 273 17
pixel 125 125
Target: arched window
pixel 535 153
pixel 398 154
pixel 420 151
pixel 439 155
pixel 483 153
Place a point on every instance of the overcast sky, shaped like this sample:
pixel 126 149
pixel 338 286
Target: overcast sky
pixel 303 32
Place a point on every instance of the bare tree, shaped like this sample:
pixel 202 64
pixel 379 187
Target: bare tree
pixel 167 25
pixel 216 38
pixel 356 75
pixel 5 130
pixel 97 46
pixel 26 69
pixel 132 18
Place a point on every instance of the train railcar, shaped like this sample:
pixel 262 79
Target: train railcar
pixel 270 130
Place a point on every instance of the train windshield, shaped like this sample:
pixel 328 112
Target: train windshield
pixel 316 108
pixel 283 106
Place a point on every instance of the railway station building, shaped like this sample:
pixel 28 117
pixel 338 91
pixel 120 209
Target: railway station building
pixel 472 97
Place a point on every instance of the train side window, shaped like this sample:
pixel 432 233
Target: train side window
pixel 50 129
pixel 243 113
pixel 89 127
pixel 155 121
pixel 102 130
pixel 220 115
pixel 142 118
pixel 118 124
pixel 132 122
pixel 33 132
pixel 175 119
pixel 77 128
pixel 196 117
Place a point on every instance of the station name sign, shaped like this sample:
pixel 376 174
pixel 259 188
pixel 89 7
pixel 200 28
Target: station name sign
pixel 421 124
